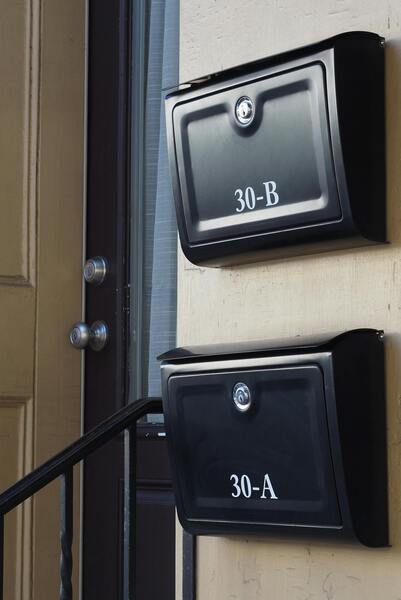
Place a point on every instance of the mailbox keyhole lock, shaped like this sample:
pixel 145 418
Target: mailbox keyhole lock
pixel 244 110
pixel 242 397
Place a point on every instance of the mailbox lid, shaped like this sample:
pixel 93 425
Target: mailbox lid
pixel 298 344
pixel 269 466
pixel 235 179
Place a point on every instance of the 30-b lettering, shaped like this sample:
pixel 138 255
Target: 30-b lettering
pixel 248 199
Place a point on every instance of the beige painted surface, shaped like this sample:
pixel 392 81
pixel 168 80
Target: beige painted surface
pixel 42 66
pixel 305 295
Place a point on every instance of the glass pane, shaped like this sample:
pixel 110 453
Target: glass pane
pixel 153 226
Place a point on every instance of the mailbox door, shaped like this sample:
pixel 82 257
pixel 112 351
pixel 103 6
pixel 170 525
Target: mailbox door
pixel 236 179
pixel 271 465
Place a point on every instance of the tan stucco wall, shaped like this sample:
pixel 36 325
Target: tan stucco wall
pixel 305 295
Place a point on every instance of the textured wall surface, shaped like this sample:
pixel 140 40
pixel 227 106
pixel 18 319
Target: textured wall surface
pixel 305 295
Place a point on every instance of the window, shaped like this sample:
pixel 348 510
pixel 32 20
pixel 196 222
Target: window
pixel 153 225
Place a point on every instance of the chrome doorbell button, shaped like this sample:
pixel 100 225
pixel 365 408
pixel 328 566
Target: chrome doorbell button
pixel 242 397
pixel 244 110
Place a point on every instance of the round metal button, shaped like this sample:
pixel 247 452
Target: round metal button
pixel 242 397
pixel 244 110
pixel 95 270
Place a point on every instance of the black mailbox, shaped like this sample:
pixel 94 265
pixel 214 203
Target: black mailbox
pixel 282 156
pixel 286 437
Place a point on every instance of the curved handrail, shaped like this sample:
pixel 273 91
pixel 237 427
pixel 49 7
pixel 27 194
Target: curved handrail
pixel 61 465
pixel 78 450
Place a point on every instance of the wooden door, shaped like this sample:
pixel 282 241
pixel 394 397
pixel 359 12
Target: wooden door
pixel 42 94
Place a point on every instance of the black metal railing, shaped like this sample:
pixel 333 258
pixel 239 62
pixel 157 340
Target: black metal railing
pixel 62 465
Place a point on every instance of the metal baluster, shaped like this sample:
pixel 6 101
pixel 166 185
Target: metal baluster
pixel 129 513
pixel 188 566
pixel 66 535
pixel 1 556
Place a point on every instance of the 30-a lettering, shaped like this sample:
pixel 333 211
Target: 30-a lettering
pixel 243 487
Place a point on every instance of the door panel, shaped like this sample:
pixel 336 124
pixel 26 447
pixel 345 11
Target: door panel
pixel 41 200
pixel 155 517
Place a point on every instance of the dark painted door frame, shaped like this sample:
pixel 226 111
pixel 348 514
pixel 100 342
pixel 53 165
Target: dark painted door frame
pixel 106 376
